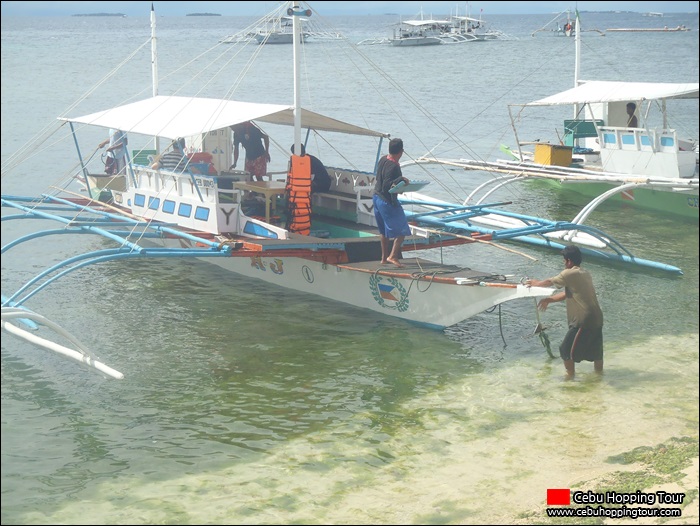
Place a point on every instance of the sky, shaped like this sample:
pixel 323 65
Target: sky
pixel 327 8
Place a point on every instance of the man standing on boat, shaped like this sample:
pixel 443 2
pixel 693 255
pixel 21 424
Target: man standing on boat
pixel 584 340
pixel 257 148
pixel 116 152
pixel 631 117
pixel 391 219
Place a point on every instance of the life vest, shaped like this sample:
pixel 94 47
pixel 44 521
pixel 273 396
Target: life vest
pixel 298 192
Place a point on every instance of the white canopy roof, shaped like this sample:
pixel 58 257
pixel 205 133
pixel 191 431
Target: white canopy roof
pixel 173 117
pixel 608 91
pixel 426 22
pixel 459 17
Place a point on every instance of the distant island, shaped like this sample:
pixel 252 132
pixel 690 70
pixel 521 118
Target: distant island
pixel 203 14
pixel 103 14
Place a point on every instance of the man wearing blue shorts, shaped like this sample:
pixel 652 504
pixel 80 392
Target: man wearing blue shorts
pixel 391 219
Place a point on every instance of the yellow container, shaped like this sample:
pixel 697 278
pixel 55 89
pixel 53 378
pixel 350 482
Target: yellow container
pixel 553 154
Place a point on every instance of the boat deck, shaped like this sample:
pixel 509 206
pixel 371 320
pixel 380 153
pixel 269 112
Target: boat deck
pixel 420 267
pixel 364 255
pixel 358 249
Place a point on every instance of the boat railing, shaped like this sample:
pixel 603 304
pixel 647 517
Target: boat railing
pixel 202 187
pixel 647 152
pixel 640 139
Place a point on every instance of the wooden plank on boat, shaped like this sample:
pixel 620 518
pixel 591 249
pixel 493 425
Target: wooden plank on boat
pixel 417 267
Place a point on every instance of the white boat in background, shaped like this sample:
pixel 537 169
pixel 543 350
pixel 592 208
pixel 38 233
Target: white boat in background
pixel 652 166
pixel 472 29
pixel 665 29
pixel 562 25
pixel 277 28
pixel 421 31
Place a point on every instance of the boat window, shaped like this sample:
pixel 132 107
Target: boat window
pixel 139 200
pixel 153 203
pixel 628 139
pixel 184 210
pixel 258 230
pixel 201 213
pixel 609 138
pixel 168 206
pixel 667 141
pixel 645 140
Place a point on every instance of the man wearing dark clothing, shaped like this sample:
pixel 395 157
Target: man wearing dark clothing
pixel 391 219
pixel 257 148
pixel 320 180
pixel 584 340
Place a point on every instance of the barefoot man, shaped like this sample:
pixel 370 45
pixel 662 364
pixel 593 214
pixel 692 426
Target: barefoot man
pixel 584 341
pixel 391 219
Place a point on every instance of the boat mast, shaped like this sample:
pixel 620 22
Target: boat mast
pixel 577 63
pixel 296 13
pixel 154 62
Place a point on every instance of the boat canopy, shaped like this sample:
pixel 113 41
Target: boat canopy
pixel 608 91
pixel 173 117
pixel 468 18
pixel 426 22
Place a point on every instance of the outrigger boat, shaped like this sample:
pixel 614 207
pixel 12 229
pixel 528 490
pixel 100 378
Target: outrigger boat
pixel 421 31
pixel 277 28
pixel 324 244
pixel 600 156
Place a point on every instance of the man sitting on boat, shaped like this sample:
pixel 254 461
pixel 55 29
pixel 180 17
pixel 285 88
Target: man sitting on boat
pixel 320 179
pixel 175 160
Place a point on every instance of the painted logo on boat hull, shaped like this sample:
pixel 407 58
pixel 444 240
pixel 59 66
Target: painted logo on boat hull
pixel 389 293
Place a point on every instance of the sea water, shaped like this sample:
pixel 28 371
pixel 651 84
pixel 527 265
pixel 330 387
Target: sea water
pixel 247 404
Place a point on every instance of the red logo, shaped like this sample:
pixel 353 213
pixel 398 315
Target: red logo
pixel 558 497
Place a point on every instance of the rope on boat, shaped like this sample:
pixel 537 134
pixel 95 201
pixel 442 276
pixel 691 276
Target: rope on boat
pixel 81 355
pixel 539 330
pixel 477 240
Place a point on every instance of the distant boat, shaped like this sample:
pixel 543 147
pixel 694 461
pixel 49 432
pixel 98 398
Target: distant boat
pixel 428 31
pixel 652 13
pixel 424 32
pixel 122 15
pixel 564 26
pixel 203 14
pixel 279 30
pixel 649 29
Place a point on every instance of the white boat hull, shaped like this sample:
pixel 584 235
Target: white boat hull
pixel 432 302
pixel 416 41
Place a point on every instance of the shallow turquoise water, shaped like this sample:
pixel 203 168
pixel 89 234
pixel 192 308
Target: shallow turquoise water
pixel 247 404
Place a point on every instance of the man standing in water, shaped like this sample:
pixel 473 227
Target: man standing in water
pixel 584 340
